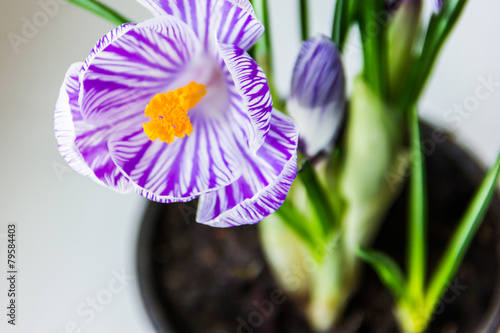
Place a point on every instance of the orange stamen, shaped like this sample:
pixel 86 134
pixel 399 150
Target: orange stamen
pixel 167 112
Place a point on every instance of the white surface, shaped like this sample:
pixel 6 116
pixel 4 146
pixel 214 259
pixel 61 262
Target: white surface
pixel 73 233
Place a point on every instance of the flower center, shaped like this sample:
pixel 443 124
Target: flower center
pixel 167 112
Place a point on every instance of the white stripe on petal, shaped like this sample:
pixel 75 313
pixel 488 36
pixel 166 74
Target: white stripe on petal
pixel 179 171
pixel 251 84
pixel 263 185
pixel 237 24
pixel 122 77
pixel 81 144
pixel 64 127
pixel 231 21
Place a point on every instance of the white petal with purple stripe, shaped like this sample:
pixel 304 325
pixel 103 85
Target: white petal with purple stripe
pixel 80 143
pixel 146 60
pixel 252 86
pixel 230 21
pixel 184 169
pixel 264 183
pixel 64 126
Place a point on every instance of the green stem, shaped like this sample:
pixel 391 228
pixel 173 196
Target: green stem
pixel 297 222
pixel 416 261
pixel 466 230
pixel 304 19
pixel 102 10
pixel 373 35
pixel 318 197
pixel 438 32
pixel 341 21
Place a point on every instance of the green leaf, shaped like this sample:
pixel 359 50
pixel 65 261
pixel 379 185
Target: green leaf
pixel 416 261
pixel 438 31
pixel 341 22
pixel 372 150
pixel 102 10
pixel 401 36
pixel 318 197
pixel 460 242
pixel 374 39
pixel 298 223
pixel 387 270
pixel 304 19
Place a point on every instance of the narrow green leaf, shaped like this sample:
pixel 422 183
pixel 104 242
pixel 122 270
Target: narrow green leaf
pixel 374 39
pixel 298 223
pixel 464 234
pixel 438 32
pixel 304 19
pixel 341 22
pixel 416 261
pixel 102 10
pixel 387 270
pixel 318 197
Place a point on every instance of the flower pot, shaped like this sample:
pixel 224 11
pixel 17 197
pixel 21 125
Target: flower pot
pixel 195 278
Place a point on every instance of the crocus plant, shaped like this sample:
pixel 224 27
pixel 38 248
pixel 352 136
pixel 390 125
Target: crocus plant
pixel 176 108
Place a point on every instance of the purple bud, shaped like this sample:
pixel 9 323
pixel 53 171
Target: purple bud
pixel 317 99
pixel 436 5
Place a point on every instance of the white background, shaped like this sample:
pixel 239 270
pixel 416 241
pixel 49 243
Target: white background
pixel 73 234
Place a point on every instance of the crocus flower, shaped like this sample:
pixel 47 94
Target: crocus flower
pixel 317 99
pixel 175 109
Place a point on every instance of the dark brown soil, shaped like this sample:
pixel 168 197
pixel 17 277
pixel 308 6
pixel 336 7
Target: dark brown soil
pixel 197 279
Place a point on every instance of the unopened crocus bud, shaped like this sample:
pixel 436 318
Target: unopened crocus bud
pixel 401 35
pixel 436 5
pixel 317 100
pixel 392 5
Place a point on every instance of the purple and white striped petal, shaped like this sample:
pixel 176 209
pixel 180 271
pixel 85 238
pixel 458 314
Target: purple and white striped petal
pixel 246 5
pixel 64 125
pixel 231 21
pixel 146 59
pixel 251 84
pixel 179 171
pixel 317 98
pixel 264 183
pixel 237 24
pixel 76 138
pixel 107 39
